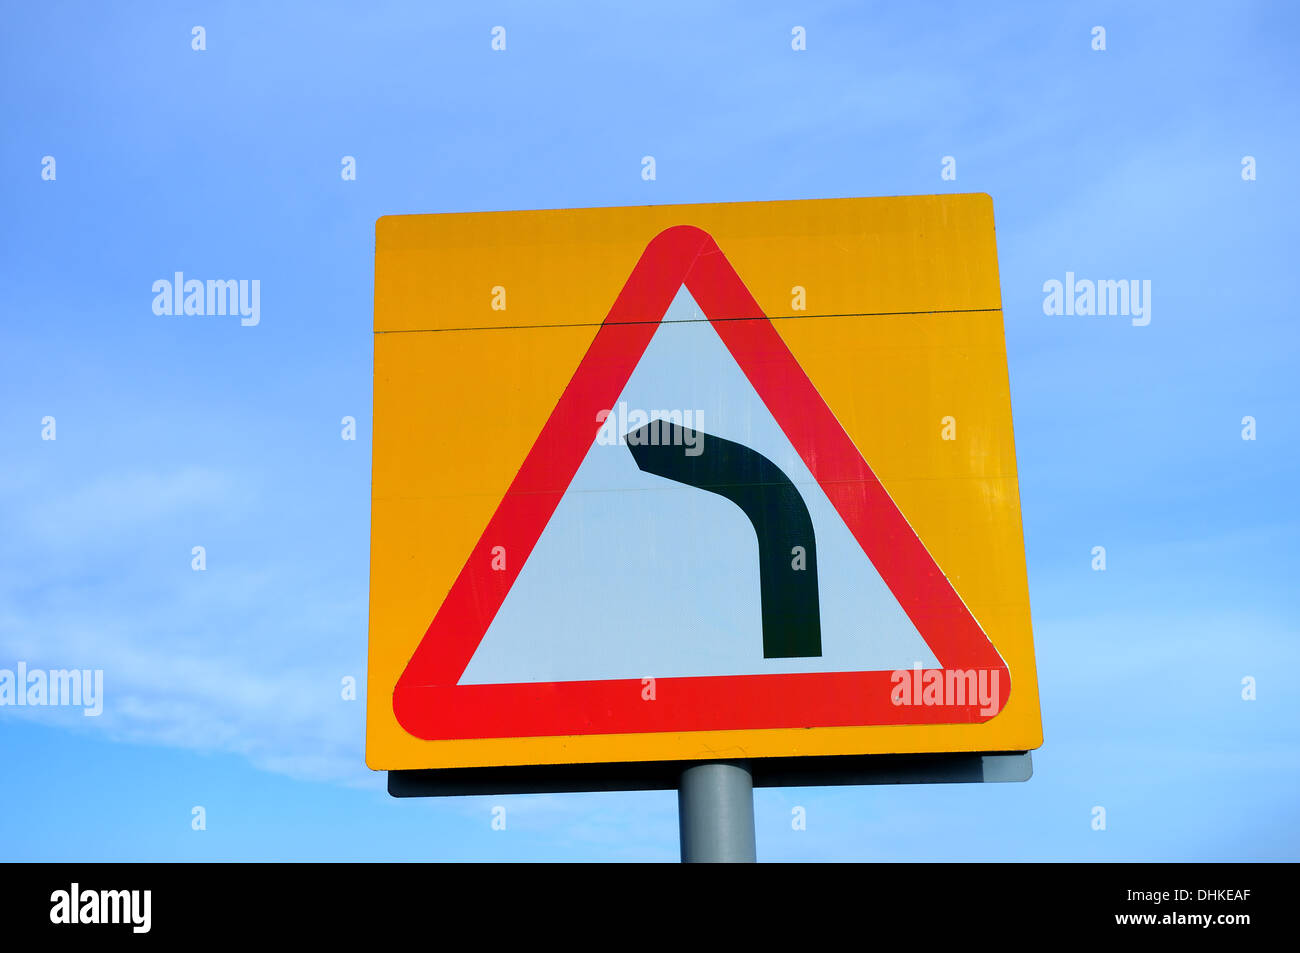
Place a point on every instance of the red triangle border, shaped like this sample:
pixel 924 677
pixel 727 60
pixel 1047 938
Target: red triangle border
pixel 430 704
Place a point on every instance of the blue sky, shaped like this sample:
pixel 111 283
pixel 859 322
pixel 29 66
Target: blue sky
pixel 222 686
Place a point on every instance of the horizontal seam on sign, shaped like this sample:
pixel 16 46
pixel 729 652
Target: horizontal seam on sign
pixel 777 317
pixel 646 489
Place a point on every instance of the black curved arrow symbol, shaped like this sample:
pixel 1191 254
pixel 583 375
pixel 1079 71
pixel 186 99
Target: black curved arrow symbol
pixel 787 550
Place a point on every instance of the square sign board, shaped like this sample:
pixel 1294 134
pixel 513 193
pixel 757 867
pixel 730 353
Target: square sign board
pixel 666 484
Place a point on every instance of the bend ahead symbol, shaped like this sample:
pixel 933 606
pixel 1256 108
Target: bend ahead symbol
pixel 787 550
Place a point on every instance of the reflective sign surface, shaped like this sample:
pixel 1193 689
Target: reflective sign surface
pixel 694 482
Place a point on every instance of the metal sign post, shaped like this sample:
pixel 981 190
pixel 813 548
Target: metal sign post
pixel 715 811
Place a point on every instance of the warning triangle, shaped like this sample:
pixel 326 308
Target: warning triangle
pixel 936 664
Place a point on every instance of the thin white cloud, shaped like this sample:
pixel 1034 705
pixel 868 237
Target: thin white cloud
pixel 212 661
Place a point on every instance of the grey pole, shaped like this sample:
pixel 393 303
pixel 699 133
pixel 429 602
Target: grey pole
pixel 715 811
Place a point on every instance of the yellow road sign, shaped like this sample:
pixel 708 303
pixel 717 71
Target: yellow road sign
pixel 694 482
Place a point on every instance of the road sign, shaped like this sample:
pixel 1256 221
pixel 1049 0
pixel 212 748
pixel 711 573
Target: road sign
pixel 694 482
